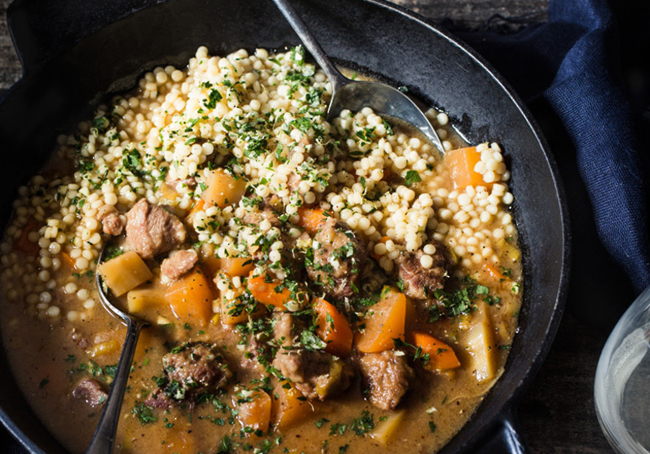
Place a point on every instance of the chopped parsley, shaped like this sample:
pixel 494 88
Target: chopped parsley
pixel 144 413
pixel 412 176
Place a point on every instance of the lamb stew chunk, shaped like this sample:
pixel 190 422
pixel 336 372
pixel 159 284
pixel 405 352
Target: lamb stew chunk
pixel 311 285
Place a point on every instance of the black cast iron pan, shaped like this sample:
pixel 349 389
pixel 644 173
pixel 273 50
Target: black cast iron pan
pixel 75 51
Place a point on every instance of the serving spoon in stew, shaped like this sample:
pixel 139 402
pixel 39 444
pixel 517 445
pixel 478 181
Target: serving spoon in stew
pixel 104 436
pixel 354 95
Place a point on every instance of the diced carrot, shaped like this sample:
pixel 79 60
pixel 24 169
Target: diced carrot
pixel 289 406
pixel 224 189
pixel 385 322
pixel 493 271
pixel 461 163
pixel 333 328
pixel 311 218
pixel 374 255
pixel 69 261
pixel 254 410
pixel 265 290
pixel 441 356
pixel 191 298
pixel 237 266
pixel 199 205
pixel 145 342
pixel 104 348
pixel 23 244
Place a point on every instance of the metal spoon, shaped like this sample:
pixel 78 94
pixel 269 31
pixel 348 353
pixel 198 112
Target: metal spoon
pixel 355 95
pixel 104 437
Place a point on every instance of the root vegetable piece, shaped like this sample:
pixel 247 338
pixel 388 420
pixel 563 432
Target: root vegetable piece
pixel 333 328
pixel 254 410
pixel 481 346
pixel 224 189
pixel 104 348
pixel 191 298
pixel 384 323
pixel 22 243
pixel 265 290
pixel 385 430
pixel 237 266
pixel 290 406
pixel 139 301
pixel 124 273
pixel 461 163
pixel 441 355
pixel 311 218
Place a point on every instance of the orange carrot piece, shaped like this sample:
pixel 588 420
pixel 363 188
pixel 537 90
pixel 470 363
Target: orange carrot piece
pixel 191 298
pixel 265 292
pixel 333 328
pixel 385 323
pixel 69 261
pixel 23 244
pixel 311 218
pixel 199 205
pixel 224 189
pixel 441 355
pixel 289 406
pixel 237 266
pixel 493 271
pixel 255 413
pixel 461 163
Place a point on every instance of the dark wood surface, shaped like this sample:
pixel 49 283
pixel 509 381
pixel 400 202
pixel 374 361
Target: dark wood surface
pixel 557 412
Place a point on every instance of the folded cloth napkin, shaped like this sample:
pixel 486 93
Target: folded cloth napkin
pixel 568 62
pixel 571 62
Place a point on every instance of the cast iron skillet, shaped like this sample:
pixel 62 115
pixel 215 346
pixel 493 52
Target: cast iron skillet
pixel 74 51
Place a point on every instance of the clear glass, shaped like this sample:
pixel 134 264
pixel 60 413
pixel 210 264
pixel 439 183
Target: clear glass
pixel 622 387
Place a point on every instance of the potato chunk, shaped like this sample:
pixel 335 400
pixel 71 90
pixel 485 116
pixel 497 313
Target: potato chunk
pixel 124 273
pixel 385 430
pixel 482 346
pixel 139 301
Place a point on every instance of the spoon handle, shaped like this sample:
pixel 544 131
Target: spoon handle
pixel 337 79
pixel 104 437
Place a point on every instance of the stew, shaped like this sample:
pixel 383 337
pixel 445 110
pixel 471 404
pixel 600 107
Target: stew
pixel 312 286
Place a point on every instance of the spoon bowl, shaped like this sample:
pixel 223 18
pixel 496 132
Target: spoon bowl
pixel 354 95
pixel 104 436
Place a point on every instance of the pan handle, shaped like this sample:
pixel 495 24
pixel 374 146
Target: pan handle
pixel 507 439
pixel 43 29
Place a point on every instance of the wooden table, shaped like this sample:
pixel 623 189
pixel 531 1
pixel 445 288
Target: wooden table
pixel 557 413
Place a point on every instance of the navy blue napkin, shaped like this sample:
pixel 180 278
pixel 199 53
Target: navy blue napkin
pixel 571 62
pixel 568 63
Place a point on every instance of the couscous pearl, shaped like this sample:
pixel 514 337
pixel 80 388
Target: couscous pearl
pixel 426 261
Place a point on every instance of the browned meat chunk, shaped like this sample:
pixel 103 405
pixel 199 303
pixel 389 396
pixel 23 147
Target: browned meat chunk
pixel 317 374
pixel 178 264
pixel 420 282
pixel 179 184
pixel 194 368
pixel 158 400
pixel 338 260
pixel 90 391
pixel 387 376
pixel 151 230
pixel 112 223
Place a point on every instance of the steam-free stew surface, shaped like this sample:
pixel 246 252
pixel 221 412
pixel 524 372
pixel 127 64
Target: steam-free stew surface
pixel 312 286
